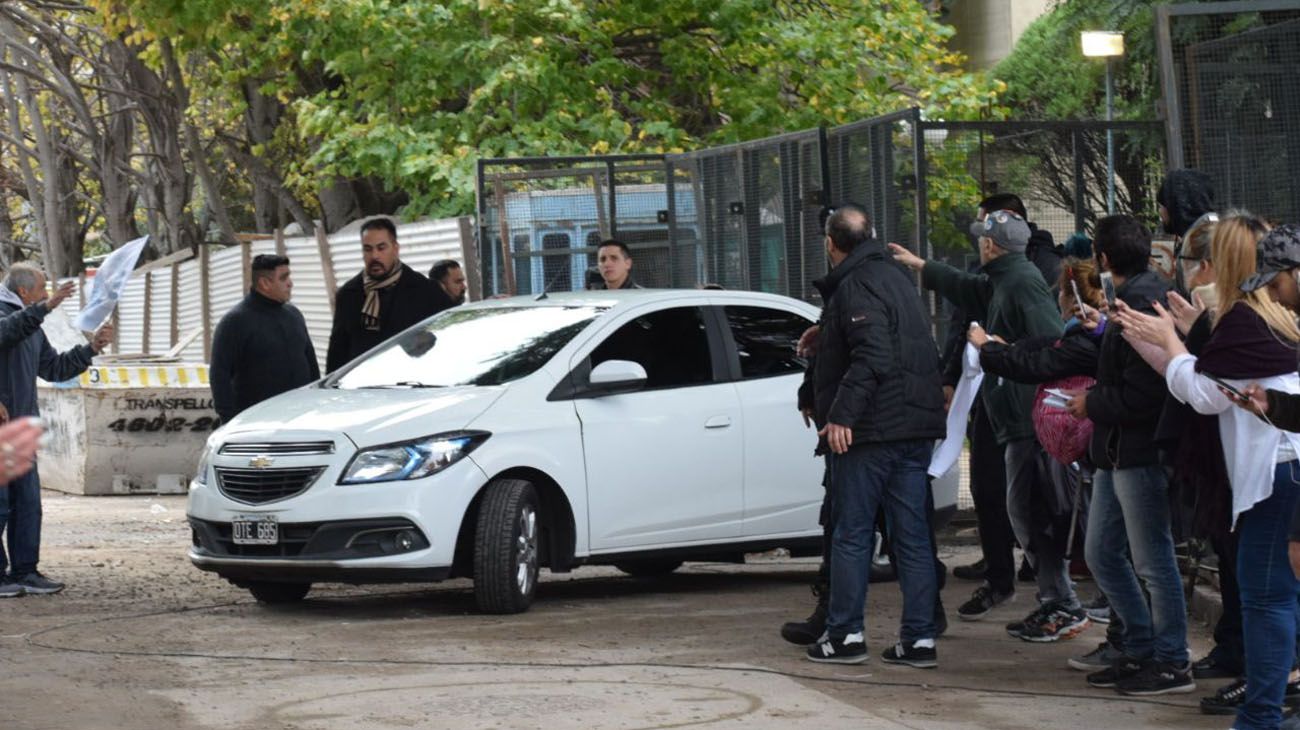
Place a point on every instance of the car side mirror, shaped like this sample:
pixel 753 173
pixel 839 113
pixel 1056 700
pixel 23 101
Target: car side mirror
pixel 616 376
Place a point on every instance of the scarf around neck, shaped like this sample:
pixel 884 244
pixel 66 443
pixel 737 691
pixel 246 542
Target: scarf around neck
pixel 370 309
pixel 1242 346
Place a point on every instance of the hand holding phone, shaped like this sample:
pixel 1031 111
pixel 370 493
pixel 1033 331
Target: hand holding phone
pixel 1108 287
pixel 1232 390
pixel 1078 300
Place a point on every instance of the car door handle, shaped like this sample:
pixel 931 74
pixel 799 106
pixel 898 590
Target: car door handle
pixel 718 422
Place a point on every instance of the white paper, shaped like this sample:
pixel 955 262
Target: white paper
pixel 948 450
pixel 108 284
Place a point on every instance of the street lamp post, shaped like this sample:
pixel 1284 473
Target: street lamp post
pixel 1108 45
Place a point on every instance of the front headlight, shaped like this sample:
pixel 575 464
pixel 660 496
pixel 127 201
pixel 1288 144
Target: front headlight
pixel 411 459
pixel 201 475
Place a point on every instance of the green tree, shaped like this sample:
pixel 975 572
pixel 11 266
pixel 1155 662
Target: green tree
pixel 410 94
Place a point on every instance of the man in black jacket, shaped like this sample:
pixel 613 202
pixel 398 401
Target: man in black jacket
pixel 261 347
pixel 876 387
pixel 385 298
pixel 1130 500
pixel 22 359
pixel 451 286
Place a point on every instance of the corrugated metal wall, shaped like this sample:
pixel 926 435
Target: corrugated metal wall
pixel 422 243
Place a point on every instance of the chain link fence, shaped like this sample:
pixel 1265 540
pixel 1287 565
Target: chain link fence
pixel 1230 76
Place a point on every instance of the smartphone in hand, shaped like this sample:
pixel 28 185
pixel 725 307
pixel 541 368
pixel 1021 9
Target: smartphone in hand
pixel 1230 388
pixel 1108 287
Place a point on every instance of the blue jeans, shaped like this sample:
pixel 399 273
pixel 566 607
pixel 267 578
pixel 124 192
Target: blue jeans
pixel 1270 597
pixel 20 518
pixel 863 480
pixel 1130 508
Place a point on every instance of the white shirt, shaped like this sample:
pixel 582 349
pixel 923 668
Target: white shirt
pixel 1251 446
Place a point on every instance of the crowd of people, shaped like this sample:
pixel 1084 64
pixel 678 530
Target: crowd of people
pixel 1119 413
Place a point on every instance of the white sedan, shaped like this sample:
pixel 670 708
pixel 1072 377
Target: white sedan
pixel 637 429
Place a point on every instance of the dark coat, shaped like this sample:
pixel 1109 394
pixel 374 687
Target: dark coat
pixel 1045 254
pixel 1125 404
pixel 1043 359
pixel 25 353
pixel 260 349
pixel 411 300
pixel 1018 304
pixel 877 367
pixel 1187 195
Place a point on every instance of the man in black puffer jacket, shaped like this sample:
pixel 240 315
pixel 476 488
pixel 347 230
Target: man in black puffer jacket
pixel 876 387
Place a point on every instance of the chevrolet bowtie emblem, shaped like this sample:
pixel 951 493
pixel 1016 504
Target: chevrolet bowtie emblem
pixel 261 462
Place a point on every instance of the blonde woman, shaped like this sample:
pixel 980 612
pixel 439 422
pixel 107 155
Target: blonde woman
pixel 1254 339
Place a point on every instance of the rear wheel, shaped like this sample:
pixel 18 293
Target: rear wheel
pixel 268 592
pixel 649 567
pixel 505 547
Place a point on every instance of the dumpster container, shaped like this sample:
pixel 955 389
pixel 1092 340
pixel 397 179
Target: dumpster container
pixel 126 429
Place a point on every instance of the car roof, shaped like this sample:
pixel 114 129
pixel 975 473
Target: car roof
pixel 620 299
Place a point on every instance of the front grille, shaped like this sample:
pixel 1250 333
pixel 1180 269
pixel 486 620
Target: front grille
pixel 285 448
pixel 259 486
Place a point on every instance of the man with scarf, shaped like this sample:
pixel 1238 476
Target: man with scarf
pixel 385 298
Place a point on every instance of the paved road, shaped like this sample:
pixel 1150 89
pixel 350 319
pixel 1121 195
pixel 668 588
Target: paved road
pixel 142 640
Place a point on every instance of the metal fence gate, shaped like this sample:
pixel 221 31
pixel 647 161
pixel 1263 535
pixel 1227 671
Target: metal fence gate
pixel 1230 75
pixel 745 216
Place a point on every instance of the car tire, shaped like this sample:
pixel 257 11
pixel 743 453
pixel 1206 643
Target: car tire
pixel 506 547
pixel 648 568
pixel 268 592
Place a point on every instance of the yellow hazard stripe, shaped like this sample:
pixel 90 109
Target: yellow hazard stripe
pixel 169 376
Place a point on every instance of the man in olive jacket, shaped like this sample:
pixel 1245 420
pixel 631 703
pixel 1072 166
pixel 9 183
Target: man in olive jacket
pixel 1019 306
pixel 876 388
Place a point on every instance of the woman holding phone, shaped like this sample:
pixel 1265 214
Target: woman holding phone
pixel 1253 338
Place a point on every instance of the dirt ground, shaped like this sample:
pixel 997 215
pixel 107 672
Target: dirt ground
pixel 142 640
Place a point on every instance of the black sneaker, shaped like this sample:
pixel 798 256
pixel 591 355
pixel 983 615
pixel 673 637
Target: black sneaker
pixel 808 631
pixel 1210 667
pixel 1055 625
pixel 37 584
pixel 974 571
pixel 1158 678
pixel 1107 678
pixel 852 649
pixel 1016 628
pixel 983 600
pixel 10 588
pixel 919 654
pixel 1226 700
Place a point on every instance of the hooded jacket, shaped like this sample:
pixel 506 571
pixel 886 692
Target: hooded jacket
pixel 1019 306
pixel 1126 403
pixel 877 367
pixel 25 353
pixel 1045 254
pixel 1187 195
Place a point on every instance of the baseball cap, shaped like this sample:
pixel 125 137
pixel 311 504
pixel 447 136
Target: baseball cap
pixel 1277 251
pixel 1008 230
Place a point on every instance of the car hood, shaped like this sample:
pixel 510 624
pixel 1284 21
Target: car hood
pixel 367 416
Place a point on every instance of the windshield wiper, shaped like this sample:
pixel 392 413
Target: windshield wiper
pixel 405 384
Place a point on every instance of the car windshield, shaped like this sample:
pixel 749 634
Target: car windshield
pixel 466 346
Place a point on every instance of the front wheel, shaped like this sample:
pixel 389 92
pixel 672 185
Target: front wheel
pixel 268 592
pixel 505 547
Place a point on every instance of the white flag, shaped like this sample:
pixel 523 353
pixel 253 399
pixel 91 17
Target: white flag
pixel 109 283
